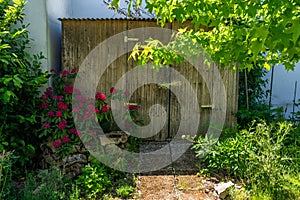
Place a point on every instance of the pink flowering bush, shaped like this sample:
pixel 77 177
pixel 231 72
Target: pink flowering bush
pixel 133 115
pixel 57 112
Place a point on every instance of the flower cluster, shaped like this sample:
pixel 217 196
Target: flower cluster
pixel 133 115
pixel 56 108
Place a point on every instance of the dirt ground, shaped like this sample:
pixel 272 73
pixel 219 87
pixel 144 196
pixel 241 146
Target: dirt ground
pixel 171 187
pixel 174 182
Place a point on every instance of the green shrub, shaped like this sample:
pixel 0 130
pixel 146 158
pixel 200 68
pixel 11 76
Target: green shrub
pixel 94 180
pixel 48 184
pixel 263 157
pixel 125 191
pixel 20 80
pixel 6 163
pixel 98 181
pixel 58 113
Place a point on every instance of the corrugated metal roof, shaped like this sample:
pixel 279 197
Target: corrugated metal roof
pixel 96 19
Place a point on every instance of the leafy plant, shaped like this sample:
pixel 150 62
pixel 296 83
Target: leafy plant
pixel 57 112
pixel 99 181
pixel 20 79
pixel 125 191
pixel 247 33
pixel 263 157
pixel 48 184
pixel 94 180
pixel 6 163
pixel 252 86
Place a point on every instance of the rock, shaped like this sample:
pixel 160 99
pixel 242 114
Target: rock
pixel 78 157
pixel 215 195
pixel 70 164
pixel 105 140
pixel 214 180
pixel 222 189
pixel 207 185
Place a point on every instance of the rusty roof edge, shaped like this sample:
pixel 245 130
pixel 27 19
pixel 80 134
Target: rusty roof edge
pixel 96 19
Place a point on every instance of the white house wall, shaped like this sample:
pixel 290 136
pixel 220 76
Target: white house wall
pixel 45 28
pixel 56 9
pixel 284 88
pixel 36 17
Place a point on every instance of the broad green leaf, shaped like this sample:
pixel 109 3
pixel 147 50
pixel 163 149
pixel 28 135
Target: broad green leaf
pixel 17 81
pixel 7 81
pixel 31 148
pixel 7 96
pixel 115 3
pixel 267 66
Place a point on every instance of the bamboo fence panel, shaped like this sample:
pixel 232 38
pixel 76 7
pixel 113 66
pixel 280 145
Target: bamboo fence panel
pixel 81 36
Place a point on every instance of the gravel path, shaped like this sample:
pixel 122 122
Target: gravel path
pixel 173 187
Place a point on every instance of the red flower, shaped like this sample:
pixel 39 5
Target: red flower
pixel 74 71
pixel 76 109
pixel 56 143
pixel 112 90
pixel 132 107
pixel 81 105
pixel 62 124
pixel 100 96
pixel 68 89
pixel 45 105
pixel 65 139
pixel 92 132
pixel 79 118
pixel 49 91
pixel 96 110
pixel 57 97
pixel 77 91
pixel 64 73
pixel 58 113
pixel 90 107
pixel 127 93
pixel 73 131
pixel 80 97
pixel 45 97
pixel 46 125
pixel 86 115
pixel 51 114
pixel 53 71
pixel 105 108
pixel 62 105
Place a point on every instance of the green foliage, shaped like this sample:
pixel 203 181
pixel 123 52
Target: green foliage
pixel 125 191
pixel 20 80
pixel 6 163
pixel 97 179
pixel 57 113
pixel 94 180
pixel 260 111
pixel 252 98
pixel 248 33
pixel 48 184
pixel 256 84
pixel 265 157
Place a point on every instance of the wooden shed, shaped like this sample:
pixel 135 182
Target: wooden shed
pixel 81 36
